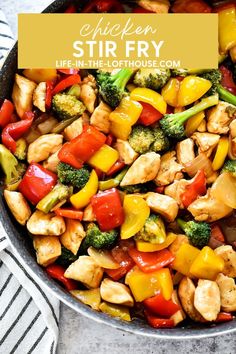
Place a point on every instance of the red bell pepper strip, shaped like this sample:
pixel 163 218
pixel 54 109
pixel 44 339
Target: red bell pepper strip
pixel 121 256
pixel 48 99
pixel 68 71
pixel 6 111
pixel 103 6
pixel 37 183
pixel 118 166
pixel 157 322
pixel 81 148
pixel 69 213
pixel 217 238
pixel 195 189
pixel 160 189
pixel 227 80
pixel 67 82
pixel 108 209
pixel 159 306
pixel 224 317
pixel 141 10
pixel 191 6
pixel 151 261
pixel 110 139
pixel 224 6
pixel 14 131
pixel 149 115
pixel 70 9
pixel 56 271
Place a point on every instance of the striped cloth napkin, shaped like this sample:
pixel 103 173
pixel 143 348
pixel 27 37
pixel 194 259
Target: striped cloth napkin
pixel 29 315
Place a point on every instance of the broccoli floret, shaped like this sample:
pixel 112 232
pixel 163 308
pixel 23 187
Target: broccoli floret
pixel 67 106
pixel 58 194
pixel 215 77
pixel 9 165
pixel 153 230
pixel 173 124
pixel 161 142
pixel 141 139
pixel 70 175
pixel 230 166
pixel 197 232
pixel 138 188
pixel 154 79
pixel 112 87
pixel 99 239
pixel 66 257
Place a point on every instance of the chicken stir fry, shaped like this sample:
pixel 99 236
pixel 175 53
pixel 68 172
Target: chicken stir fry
pixel 127 187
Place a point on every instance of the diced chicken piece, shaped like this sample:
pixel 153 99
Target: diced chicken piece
pixel 207 299
pixel 158 6
pixel 144 169
pixel 18 206
pixel 179 316
pixel 227 292
pixel 100 117
pixel 126 152
pixel 116 293
pixel 85 270
pixel 73 236
pixel 218 119
pixel 48 249
pixel 22 94
pixel 179 241
pixel 43 147
pixel 90 80
pixel 169 170
pixel 39 96
pixel 46 224
pixel 186 294
pixel 202 128
pixel 232 140
pixel 185 151
pixel 52 162
pixel 229 257
pixel 47 124
pixel 88 97
pixel 208 208
pixel 176 189
pixel 89 214
pixel 162 204
pixel 74 129
pixel 206 142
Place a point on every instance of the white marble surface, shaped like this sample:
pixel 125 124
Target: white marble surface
pixel 80 335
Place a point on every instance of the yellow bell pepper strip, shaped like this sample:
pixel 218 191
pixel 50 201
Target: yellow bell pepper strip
pixel 104 158
pixel 143 246
pixel 149 96
pixel 207 265
pixel 191 89
pixel 82 198
pixel 136 212
pixel 145 285
pixel 89 297
pixel 39 75
pixel 123 117
pixel 221 153
pixel 193 123
pixel 184 258
pixel 170 92
pixel 113 182
pixel 227 26
pixel 113 310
